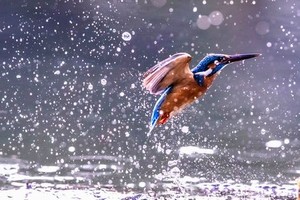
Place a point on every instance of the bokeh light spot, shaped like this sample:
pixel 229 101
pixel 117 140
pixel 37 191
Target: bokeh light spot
pixel 216 18
pixel 203 22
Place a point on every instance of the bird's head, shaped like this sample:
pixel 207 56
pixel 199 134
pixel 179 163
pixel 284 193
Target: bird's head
pixel 213 63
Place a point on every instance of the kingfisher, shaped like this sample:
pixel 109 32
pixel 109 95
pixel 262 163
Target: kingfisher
pixel 179 86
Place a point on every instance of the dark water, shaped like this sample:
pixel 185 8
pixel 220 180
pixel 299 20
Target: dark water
pixel 73 113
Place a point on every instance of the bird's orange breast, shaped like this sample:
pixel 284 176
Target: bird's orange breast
pixel 182 95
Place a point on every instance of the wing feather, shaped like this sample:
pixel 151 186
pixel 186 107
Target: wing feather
pixel 167 72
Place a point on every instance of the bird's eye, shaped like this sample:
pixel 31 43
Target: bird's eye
pixel 222 59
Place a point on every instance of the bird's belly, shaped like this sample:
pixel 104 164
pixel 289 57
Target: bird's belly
pixel 180 97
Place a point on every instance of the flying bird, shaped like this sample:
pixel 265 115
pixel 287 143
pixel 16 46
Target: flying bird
pixel 179 86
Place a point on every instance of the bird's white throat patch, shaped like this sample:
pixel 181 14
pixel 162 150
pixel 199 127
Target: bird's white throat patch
pixel 205 73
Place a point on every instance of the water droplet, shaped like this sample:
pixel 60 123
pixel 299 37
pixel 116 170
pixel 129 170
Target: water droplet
pixel 103 81
pixel 185 129
pixel 90 87
pixel 142 184
pixel 126 36
pixel 57 72
pixel 286 141
pixel 71 149
pixel 172 163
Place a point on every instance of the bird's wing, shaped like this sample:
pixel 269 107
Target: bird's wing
pixel 156 109
pixel 167 72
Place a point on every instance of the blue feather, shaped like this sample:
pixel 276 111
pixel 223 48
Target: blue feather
pixel 203 66
pixel 156 109
pixel 199 79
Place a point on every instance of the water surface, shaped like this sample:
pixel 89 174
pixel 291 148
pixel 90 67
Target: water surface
pixel 73 113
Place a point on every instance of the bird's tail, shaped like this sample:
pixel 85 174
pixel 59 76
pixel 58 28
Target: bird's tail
pixel 156 110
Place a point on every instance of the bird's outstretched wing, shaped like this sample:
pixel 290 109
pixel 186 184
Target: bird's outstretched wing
pixel 167 72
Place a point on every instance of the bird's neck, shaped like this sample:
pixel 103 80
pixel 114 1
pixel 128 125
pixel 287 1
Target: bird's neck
pixel 201 67
pixel 199 79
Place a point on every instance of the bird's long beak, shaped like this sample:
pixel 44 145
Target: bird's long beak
pixel 239 57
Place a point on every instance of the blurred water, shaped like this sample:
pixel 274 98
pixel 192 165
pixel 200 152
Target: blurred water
pixel 73 114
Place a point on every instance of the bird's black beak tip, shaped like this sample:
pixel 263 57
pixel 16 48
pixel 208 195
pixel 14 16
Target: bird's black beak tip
pixel 239 57
pixel 256 54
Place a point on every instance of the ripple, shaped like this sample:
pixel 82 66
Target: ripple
pixel 274 144
pixel 77 179
pixel 48 169
pixel 194 150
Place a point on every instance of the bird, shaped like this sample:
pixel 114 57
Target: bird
pixel 179 86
